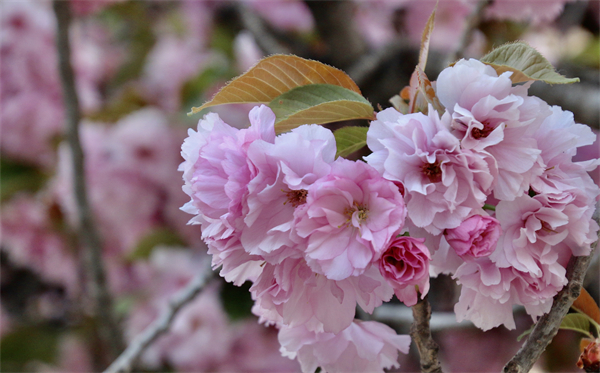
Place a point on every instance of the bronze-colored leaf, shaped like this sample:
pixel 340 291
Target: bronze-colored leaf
pixel 275 75
pixel 421 93
pixel 586 304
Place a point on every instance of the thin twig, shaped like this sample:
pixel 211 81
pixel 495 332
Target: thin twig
pixel 547 326
pixel 471 22
pixel 126 361
pixel 87 233
pixel 421 335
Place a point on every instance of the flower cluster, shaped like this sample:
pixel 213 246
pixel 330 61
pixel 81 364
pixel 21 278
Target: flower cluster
pixel 316 235
pixel 491 184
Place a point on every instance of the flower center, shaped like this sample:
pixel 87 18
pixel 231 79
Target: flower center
pixel 296 197
pixel 433 171
pixel 362 212
pixel 482 133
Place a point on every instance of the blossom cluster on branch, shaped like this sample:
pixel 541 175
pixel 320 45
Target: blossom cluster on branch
pixel 315 235
pixel 486 191
pixel 307 229
pixel 492 186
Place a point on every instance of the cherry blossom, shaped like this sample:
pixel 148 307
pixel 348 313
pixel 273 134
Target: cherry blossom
pixel 365 346
pixel 442 182
pixel 476 236
pixel 405 265
pixel 349 218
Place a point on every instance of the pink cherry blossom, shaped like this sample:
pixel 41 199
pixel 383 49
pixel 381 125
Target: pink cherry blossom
pixel 349 219
pixel 291 294
pixel 494 119
pixel 405 265
pixel 364 346
pixel 281 186
pixel 533 232
pixel 566 185
pixel 443 184
pixel 489 292
pixel 475 237
pixel 217 171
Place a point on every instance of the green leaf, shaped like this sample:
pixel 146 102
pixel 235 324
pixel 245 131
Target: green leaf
pixel 350 139
pixel 578 322
pixel 318 104
pixel 526 64
pixel 161 236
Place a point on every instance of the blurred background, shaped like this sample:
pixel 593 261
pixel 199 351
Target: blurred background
pixel 139 68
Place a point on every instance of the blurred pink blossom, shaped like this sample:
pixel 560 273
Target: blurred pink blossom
pixel 87 7
pixel 199 337
pixel 31 95
pixel 383 21
pixel 255 348
pixel 247 52
pixel 31 240
pixel 535 11
pixel 287 15
pixel 128 167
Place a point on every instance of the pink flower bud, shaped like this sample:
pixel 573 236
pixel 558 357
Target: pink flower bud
pixel 405 264
pixel 475 236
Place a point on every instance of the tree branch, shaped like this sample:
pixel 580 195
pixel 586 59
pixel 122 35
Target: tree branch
pixel 86 231
pixel 547 326
pixel 126 361
pixel 421 335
